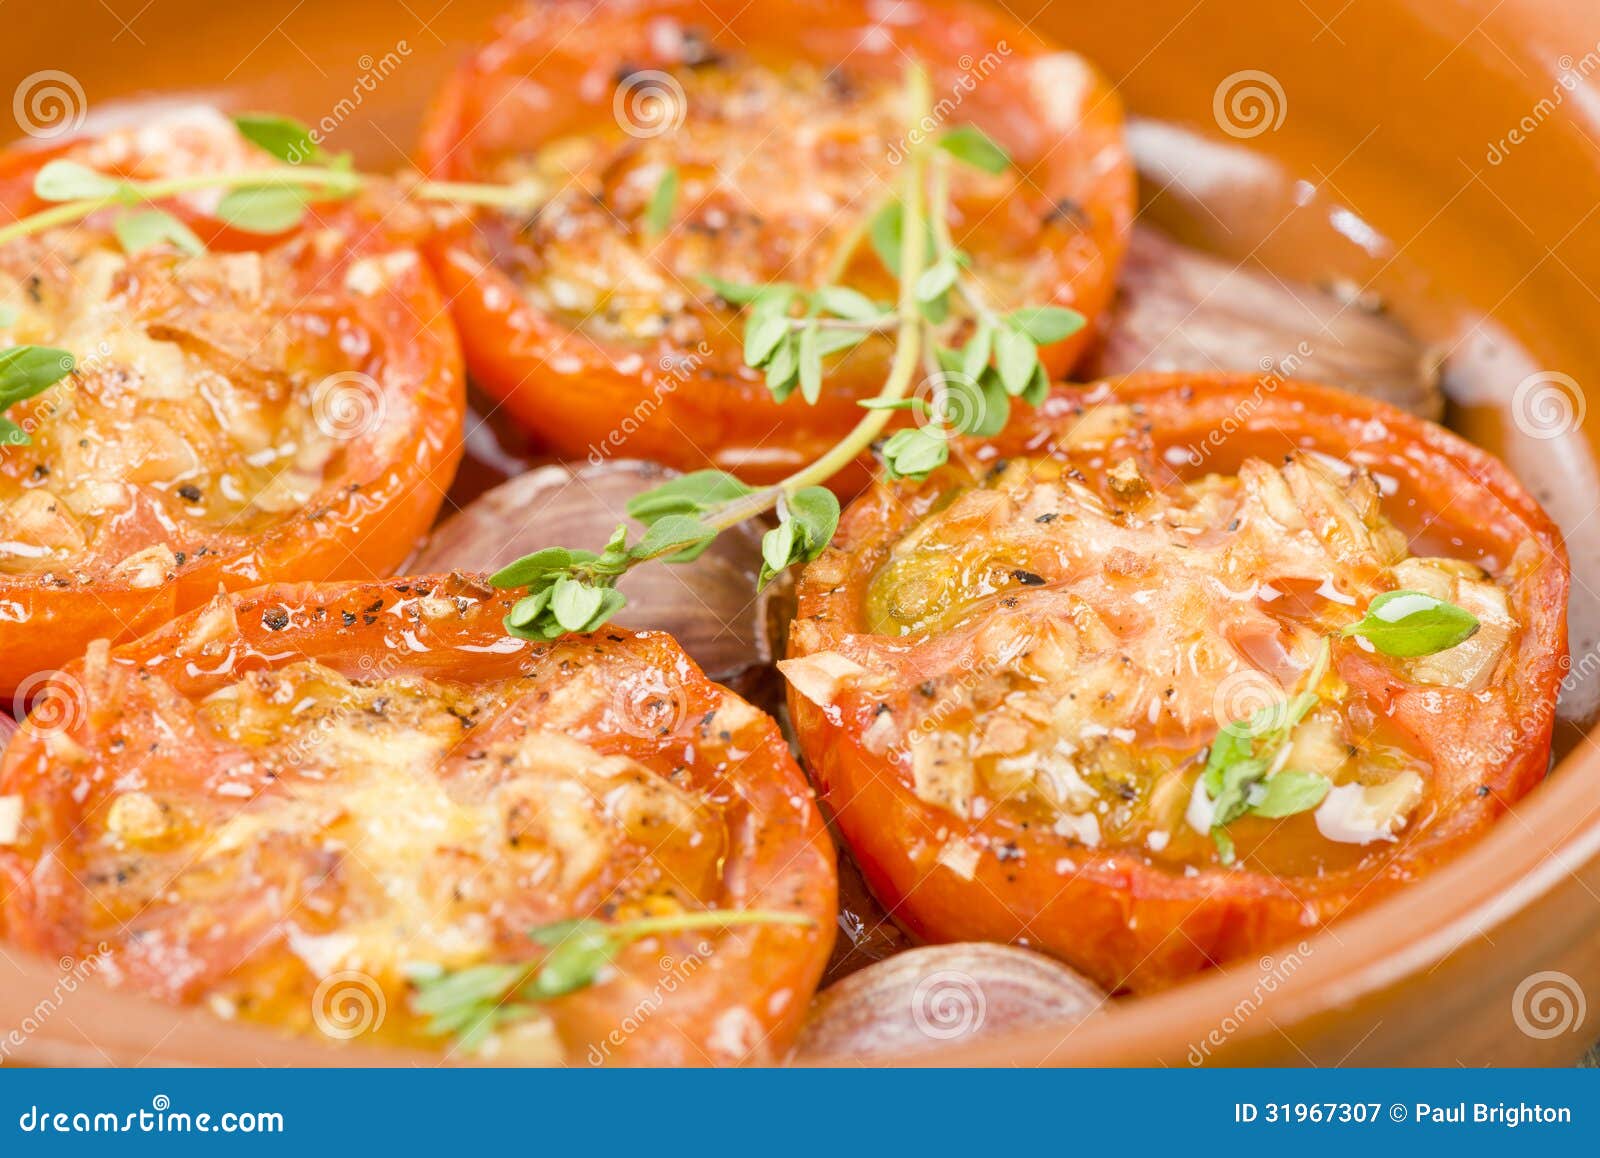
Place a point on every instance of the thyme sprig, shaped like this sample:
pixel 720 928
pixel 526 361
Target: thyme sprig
pixel 1246 772
pixel 268 199
pixel 972 358
pixel 471 1003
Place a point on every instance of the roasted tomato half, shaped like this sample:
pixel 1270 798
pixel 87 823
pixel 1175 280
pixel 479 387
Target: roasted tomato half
pixel 782 125
pixel 1028 683
pixel 309 790
pixel 284 407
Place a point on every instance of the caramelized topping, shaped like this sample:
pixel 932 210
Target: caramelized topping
pixel 193 410
pixel 776 171
pixel 1087 639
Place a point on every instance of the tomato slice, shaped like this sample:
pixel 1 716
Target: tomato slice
pixel 284 407
pixel 1010 679
pixel 782 124
pixel 309 788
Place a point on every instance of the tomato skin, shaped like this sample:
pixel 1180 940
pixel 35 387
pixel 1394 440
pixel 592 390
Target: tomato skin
pixel 361 523
pixel 1123 920
pixel 129 727
pixel 553 70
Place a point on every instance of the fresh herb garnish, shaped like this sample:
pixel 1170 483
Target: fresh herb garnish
pixel 266 200
pixel 144 229
pixel 1406 624
pixel 970 144
pixel 789 335
pixel 914 452
pixel 690 494
pixel 62 180
pixel 285 138
pixel 658 214
pixel 806 522
pixel 1290 792
pixel 1243 767
pixel 472 1003
pixel 571 590
pixel 270 199
pixel 1243 772
pixel 266 208
pixel 24 372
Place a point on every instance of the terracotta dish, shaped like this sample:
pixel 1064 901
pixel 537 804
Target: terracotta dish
pixel 1417 180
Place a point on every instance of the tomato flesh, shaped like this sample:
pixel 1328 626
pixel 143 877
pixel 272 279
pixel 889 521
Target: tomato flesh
pixel 305 788
pixel 782 129
pixel 1009 678
pixel 276 407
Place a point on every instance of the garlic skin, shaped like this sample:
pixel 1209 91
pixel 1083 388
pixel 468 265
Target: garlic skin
pixel 1180 309
pixel 941 995
pixel 709 606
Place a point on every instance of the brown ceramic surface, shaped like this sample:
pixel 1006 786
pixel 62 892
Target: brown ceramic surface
pixel 1442 154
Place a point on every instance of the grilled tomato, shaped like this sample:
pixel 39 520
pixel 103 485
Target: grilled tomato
pixel 1177 669
pixel 297 805
pixel 284 407
pixel 752 142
